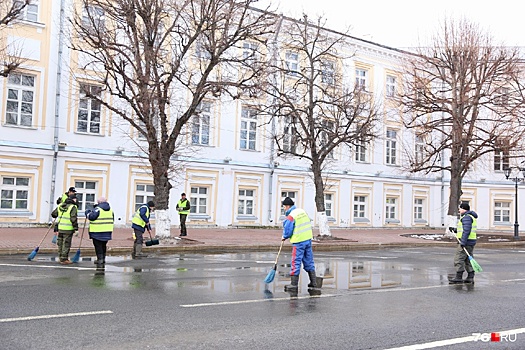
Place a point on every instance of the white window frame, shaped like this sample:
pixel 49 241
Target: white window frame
pixel 328 72
pixel 201 125
pixel 201 51
pixel 419 210
pixel 289 132
pixel 86 197
pixel 248 132
pixel 502 155
pixel 329 205
pixel 250 51
pixel 20 104
pixel 144 192
pixel 16 193
pixel 361 151
pixel 360 208
pixel 98 16
pixel 246 203
pixel 327 124
pixel 30 12
pixel 391 147
pixel 502 211
pixel 419 148
pixel 88 106
pixel 361 79
pixel 199 200
pixel 391 210
pixel 391 86
pixel 292 63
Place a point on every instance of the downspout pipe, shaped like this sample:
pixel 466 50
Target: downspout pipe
pixel 273 126
pixel 57 108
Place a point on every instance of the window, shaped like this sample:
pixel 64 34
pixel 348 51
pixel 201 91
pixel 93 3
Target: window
pixel 328 72
pixel 199 200
pixel 328 204
pixel 246 200
pixel 30 12
pixel 360 203
pixel 86 193
pixel 419 149
pixel 248 128
pixel 391 144
pixel 501 154
pixel 391 209
pixel 502 96
pixel 93 19
pixel 14 193
pixel 360 152
pixel 285 194
pixel 289 132
pixel 502 212
pixel 418 209
pixel 20 99
pixel 326 135
pixel 200 134
pixel 361 79
pixel 202 51
pixel 292 62
pixel 390 86
pixel 143 194
pixel 89 109
pixel 249 52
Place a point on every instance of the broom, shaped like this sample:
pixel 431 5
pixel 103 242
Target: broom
pixel 473 263
pixel 271 275
pixel 32 255
pixel 55 236
pixel 76 257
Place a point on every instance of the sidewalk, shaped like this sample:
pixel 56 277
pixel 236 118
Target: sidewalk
pixel 215 240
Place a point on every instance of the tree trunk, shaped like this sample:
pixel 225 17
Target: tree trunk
pixel 324 229
pixel 453 203
pixel 162 196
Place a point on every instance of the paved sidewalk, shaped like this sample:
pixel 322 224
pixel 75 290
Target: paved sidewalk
pixel 24 240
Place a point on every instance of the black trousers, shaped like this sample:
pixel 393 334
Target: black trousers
pixel 183 224
pixel 100 249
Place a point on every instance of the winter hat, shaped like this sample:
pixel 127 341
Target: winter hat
pixel 72 189
pixel 288 201
pixel 464 206
pixel 151 204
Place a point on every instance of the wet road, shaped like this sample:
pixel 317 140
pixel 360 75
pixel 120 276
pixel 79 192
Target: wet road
pixel 381 299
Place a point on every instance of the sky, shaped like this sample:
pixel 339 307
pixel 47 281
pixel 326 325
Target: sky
pixel 409 23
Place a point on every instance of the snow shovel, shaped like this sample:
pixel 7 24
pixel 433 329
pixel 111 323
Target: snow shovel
pixel 151 241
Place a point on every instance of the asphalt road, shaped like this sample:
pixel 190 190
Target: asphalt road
pixel 381 299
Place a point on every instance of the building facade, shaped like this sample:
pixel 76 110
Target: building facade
pixel 53 137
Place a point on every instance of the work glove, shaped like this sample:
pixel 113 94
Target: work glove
pixel 283 239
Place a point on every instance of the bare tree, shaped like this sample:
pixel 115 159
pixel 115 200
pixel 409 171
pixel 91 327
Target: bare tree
pixel 10 11
pixel 463 98
pixel 317 111
pixel 158 60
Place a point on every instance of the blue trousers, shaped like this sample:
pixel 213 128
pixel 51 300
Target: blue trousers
pixel 302 253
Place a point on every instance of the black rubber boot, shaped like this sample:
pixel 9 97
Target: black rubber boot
pixel 293 286
pixel 470 277
pixel 457 279
pixel 313 279
pixel 101 264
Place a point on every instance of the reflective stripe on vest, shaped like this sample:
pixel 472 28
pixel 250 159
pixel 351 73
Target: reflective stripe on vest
pixel 137 219
pixel 104 222
pixel 303 226
pixel 473 231
pixel 182 204
pixel 64 223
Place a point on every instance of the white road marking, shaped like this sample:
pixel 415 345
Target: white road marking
pixel 439 343
pixel 51 266
pixel 43 317
pixel 257 301
pixel 514 280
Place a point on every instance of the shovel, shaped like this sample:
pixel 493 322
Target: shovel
pixel 151 240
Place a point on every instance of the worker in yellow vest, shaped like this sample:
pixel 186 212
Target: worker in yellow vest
pixel 139 224
pixel 101 222
pixel 183 207
pixel 467 237
pixel 67 223
pixel 297 226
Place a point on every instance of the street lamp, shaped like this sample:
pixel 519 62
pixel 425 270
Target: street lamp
pixel 516 180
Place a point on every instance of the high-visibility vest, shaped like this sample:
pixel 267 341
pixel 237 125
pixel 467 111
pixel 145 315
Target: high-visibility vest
pixel 303 226
pixel 64 223
pixel 64 197
pixel 182 204
pixel 137 219
pixel 104 222
pixel 472 234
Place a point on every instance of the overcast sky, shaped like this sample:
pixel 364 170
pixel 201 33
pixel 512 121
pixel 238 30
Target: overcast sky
pixel 405 23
